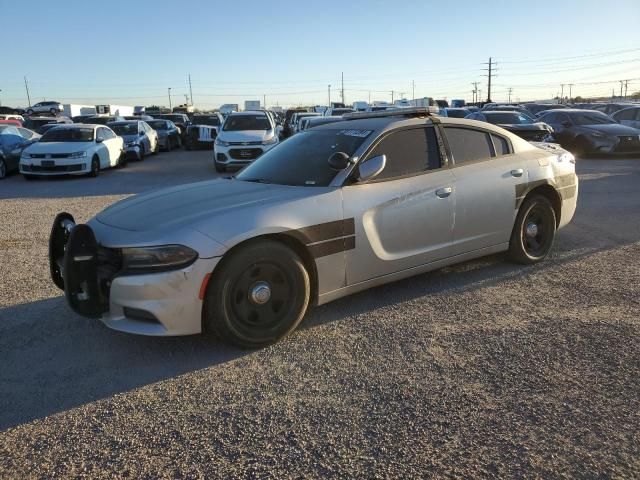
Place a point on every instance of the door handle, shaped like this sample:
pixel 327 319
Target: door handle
pixel 517 172
pixel 444 192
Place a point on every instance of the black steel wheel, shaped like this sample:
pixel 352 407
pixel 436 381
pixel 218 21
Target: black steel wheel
pixel 534 231
pixel 257 295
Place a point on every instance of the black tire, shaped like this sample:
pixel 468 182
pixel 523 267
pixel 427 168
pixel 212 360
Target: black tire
pixel 29 111
pixel 28 177
pixel 236 316
pixel 122 161
pixel 220 168
pixel 95 167
pixel 142 152
pixel 581 147
pixel 534 231
pixel 169 144
pixel 3 169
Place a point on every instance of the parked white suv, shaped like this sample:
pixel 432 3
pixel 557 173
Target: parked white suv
pixel 53 108
pixel 73 150
pixel 244 136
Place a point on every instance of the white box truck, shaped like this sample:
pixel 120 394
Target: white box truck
pixel 252 104
pixel 120 110
pixel 72 110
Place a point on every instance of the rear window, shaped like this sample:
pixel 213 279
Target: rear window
pixel 125 128
pixel 158 124
pixel 501 145
pixel 512 118
pixel 211 120
pixel 469 145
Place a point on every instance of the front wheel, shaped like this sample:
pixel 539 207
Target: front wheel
pixel 3 169
pixel 534 231
pixel 95 167
pixel 142 153
pixel 258 295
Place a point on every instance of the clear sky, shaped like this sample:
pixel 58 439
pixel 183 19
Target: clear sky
pixel 130 52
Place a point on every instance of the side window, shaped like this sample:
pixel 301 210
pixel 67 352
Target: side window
pixel 628 114
pixel 549 118
pixel 562 117
pixel 501 145
pixel 469 145
pixel 408 152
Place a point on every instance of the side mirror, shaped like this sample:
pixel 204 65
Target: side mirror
pixel 99 140
pixel 566 124
pixel 371 168
pixel 338 161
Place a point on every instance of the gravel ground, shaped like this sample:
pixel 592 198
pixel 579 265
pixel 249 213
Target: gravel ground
pixel 485 369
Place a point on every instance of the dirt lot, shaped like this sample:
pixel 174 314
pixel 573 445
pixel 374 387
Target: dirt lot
pixel 486 369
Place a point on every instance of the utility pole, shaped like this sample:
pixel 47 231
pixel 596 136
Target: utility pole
pixel 329 104
pixel 510 90
pixel 169 91
pixel 475 91
pixel 391 96
pixel 621 84
pixel 26 86
pixel 562 93
pixel 186 99
pixel 190 91
pixel 264 101
pixel 342 87
pixel 413 91
pixel 626 84
pixel 491 74
pixel 570 86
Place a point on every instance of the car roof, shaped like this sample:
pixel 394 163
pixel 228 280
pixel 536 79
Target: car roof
pixel 249 112
pixel 124 122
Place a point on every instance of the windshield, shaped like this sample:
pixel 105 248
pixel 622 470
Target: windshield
pixel 125 128
pixel 512 118
pixel 457 113
pixel 211 120
pixel 303 159
pixel 68 135
pixel 236 123
pixel 158 124
pixel 591 118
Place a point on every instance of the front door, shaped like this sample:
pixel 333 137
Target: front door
pixel 403 218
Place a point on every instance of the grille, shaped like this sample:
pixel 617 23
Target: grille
pixel 245 153
pixel 245 143
pixel 57 168
pixel 628 143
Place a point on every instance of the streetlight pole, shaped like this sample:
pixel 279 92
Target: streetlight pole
pixel 329 104
pixel 169 91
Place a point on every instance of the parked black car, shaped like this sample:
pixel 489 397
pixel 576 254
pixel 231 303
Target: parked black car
pixel 36 123
pixel 287 129
pixel 589 131
pixel 519 123
pixel 180 120
pixel 610 108
pixel 12 141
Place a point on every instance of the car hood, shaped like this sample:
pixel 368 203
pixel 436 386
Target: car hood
pixel 187 205
pixel 246 136
pixel 58 147
pixel 613 129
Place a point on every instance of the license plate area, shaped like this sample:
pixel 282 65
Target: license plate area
pixel 48 163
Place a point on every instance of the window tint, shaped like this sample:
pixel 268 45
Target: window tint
pixel 468 145
pixel 501 145
pixel 408 152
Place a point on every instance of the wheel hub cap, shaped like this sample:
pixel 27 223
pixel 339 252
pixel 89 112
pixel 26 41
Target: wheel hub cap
pixel 531 230
pixel 260 293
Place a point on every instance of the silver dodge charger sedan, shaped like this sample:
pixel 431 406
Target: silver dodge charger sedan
pixel 339 208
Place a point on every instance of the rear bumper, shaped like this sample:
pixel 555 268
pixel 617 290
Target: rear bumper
pixel 161 303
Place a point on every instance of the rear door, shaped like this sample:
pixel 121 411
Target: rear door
pixel 486 173
pixel 403 218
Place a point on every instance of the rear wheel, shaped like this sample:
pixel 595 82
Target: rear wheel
pixel 581 147
pixel 122 160
pixel 534 231
pixel 258 295
pixel 95 167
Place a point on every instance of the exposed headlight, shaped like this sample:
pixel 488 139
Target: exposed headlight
pixel 164 257
pixel 270 141
pixel 78 155
pixel 222 143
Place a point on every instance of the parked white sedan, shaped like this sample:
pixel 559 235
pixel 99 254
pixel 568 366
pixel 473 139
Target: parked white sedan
pixel 75 149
